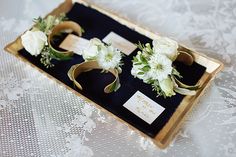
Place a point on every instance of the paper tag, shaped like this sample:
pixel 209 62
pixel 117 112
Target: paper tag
pixel 120 43
pixel 74 43
pixel 144 107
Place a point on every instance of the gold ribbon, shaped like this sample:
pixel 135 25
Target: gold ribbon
pixel 77 69
pixel 188 59
pixel 185 57
pixel 64 26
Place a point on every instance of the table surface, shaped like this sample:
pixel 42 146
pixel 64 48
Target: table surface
pixel 39 117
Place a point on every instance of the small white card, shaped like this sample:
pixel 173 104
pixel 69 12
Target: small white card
pixel 144 107
pixel 120 43
pixel 74 43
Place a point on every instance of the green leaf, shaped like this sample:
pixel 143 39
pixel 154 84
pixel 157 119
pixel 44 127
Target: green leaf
pixel 115 86
pixel 145 68
pixel 176 73
pixel 143 59
pixel 59 56
pixel 140 45
pixel 45 25
pixel 82 29
pixel 135 59
pixel 139 63
pixel 156 87
pixel 150 81
pixel 141 73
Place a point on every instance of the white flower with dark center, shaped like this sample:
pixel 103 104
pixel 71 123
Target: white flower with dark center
pixel 166 46
pixel 160 67
pixel 109 57
pixel 34 42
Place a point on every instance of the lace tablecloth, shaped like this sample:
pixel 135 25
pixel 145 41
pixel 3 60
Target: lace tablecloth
pixel 38 117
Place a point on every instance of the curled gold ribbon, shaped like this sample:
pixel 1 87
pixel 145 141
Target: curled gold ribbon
pixel 77 69
pixel 64 26
pixel 185 57
pixel 188 59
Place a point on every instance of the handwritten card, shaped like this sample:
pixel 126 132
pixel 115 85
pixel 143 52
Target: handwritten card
pixel 74 43
pixel 144 107
pixel 120 43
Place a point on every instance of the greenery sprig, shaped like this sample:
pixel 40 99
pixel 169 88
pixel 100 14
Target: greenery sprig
pixel 154 65
pixel 36 41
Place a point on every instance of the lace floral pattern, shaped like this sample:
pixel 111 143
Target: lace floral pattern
pixel 38 117
pixel 12 89
pixel 74 142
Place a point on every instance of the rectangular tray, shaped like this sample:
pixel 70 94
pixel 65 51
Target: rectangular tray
pixel 164 128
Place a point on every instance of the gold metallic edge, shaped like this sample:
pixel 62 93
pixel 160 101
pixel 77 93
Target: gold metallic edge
pixel 164 137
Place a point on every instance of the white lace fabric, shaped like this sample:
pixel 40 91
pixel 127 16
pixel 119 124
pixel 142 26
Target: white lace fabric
pixel 39 117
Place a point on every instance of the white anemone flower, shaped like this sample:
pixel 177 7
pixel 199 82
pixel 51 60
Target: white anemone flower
pixel 160 67
pixel 109 57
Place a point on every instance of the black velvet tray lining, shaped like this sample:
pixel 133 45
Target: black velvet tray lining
pixel 98 25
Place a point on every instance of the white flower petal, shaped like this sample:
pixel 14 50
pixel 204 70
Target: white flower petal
pixel 167 86
pixel 34 42
pixel 166 46
pixel 93 49
pixel 90 53
pixel 109 57
pixel 161 67
pixel 96 41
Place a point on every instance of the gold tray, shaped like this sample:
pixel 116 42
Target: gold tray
pixel 167 133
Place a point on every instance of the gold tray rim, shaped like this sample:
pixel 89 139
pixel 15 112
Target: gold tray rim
pixel 168 132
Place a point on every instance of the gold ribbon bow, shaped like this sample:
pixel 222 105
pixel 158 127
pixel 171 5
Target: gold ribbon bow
pixel 77 69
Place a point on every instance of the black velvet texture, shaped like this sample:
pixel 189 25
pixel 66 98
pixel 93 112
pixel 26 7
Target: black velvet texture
pixel 99 25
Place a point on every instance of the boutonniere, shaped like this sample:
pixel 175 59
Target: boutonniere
pixel 39 40
pixel 154 65
pixel 99 56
